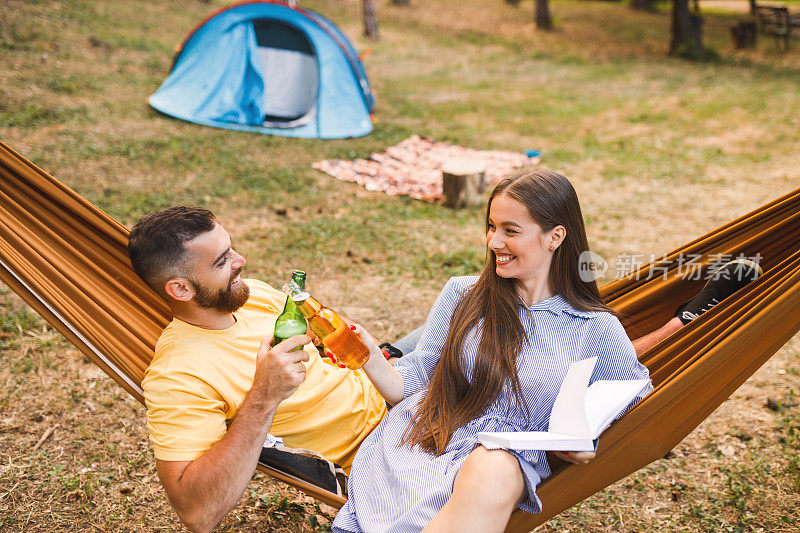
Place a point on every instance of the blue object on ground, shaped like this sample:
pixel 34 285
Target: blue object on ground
pixel 533 153
pixel 270 68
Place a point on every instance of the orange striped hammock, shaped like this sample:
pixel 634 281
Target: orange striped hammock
pixel 68 260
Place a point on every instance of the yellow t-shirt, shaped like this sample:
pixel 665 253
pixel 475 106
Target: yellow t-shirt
pixel 199 378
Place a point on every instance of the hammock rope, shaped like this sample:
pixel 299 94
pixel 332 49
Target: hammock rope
pixel 68 260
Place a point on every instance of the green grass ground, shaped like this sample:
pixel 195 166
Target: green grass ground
pixel 660 151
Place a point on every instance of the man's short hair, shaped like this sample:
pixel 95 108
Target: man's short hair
pixel 156 242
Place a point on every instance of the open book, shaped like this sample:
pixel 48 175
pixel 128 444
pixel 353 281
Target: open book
pixel 580 413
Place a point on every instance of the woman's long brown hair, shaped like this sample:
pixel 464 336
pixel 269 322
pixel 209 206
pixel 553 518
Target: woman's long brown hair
pixel 453 398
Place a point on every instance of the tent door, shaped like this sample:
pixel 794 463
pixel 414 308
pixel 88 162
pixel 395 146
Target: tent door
pixel 291 74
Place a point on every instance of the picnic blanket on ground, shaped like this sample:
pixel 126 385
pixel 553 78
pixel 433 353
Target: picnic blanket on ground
pixel 414 167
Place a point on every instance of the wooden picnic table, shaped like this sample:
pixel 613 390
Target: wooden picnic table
pixel 774 19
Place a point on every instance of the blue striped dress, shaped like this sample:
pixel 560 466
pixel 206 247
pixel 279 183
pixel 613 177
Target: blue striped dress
pixel 396 489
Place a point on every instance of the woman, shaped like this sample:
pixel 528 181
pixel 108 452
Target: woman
pixel 492 358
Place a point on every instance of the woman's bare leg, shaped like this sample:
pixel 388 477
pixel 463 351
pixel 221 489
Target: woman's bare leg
pixel 487 488
pixel 642 344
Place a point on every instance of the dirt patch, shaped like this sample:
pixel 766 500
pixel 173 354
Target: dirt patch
pixel 738 140
pixel 731 6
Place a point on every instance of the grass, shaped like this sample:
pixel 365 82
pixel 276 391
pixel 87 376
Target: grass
pixel 660 151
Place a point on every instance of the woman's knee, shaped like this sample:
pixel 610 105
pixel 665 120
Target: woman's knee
pixel 492 477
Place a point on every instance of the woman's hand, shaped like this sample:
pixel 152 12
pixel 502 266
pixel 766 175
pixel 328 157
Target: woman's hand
pixel 368 340
pixel 575 457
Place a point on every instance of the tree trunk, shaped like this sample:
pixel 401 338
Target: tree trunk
pixel 543 19
pixel 687 32
pixel 370 19
pixel 401 2
pixel 752 7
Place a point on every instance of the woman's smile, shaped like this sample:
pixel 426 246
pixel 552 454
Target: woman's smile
pixel 502 259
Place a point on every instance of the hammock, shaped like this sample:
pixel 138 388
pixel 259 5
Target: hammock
pixel 68 260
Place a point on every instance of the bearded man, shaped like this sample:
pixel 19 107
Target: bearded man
pixel 215 387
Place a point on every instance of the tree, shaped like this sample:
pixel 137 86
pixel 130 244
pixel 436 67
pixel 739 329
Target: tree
pixel 543 19
pixel 687 32
pixel 370 19
pixel 643 5
pixel 542 16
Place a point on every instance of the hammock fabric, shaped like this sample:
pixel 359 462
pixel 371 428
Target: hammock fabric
pixel 68 260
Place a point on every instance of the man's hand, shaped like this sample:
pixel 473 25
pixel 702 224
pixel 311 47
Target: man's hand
pixel 204 490
pixel 279 370
pixel 575 457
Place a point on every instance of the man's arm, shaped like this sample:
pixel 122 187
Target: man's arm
pixel 204 490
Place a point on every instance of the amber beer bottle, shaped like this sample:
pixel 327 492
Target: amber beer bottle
pixel 326 324
pixel 291 321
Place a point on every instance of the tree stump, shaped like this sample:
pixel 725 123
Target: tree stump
pixel 463 182
pixel 744 34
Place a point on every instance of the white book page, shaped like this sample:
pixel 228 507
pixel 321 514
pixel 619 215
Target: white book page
pixel 536 440
pixel 540 436
pixel 579 415
pixel 606 398
pixel 568 415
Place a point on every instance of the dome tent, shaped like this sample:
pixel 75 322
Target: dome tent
pixel 271 68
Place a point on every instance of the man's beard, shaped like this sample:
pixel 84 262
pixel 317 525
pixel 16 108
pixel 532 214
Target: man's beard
pixel 224 300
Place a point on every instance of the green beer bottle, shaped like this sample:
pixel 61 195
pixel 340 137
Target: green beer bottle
pixel 291 321
pixel 328 326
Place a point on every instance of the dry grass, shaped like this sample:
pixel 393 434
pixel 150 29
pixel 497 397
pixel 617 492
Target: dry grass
pixel 659 150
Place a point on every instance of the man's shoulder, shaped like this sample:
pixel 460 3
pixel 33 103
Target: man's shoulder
pixel 178 349
pixel 185 349
pixel 178 335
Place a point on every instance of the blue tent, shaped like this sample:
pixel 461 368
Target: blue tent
pixel 271 68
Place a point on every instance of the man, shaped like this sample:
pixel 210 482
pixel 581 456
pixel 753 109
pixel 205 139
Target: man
pixel 214 367
pixel 215 387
